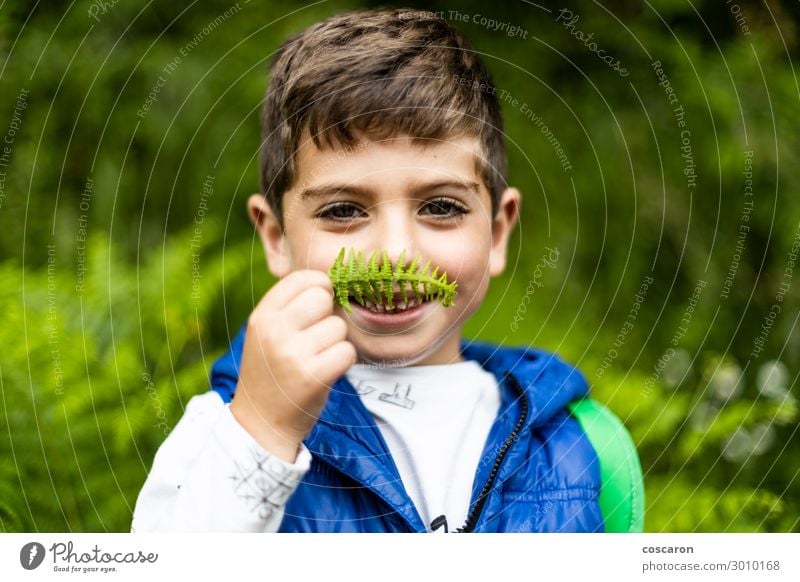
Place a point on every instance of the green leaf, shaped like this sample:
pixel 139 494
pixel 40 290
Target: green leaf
pixel 376 282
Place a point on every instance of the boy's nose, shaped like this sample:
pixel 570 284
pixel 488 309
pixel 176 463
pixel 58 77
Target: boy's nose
pixel 396 235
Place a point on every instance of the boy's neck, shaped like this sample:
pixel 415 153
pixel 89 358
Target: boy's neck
pixel 446 354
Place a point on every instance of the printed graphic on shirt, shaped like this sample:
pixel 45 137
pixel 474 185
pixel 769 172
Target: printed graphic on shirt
pixel 400 396
pixel 362 388
pixel 262 485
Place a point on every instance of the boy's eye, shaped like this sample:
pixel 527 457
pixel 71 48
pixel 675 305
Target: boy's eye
pixel 444 208
pixel 340 211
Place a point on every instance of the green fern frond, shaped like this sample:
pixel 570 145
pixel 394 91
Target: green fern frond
pixel 371 280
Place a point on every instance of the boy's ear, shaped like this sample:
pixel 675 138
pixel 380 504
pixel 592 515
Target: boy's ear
pixel 276 248
pixel 502 223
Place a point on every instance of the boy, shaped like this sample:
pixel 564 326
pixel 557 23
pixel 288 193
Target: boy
pixel 379 133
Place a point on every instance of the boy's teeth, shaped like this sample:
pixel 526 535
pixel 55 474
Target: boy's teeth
pixel 383 308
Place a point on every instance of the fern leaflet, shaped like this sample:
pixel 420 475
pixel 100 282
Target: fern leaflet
pixel 371 280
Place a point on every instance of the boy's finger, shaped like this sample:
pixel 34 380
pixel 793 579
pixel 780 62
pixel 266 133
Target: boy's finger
pixel 308 308
pixel 291 286
pixel 324 334
pixel 334 361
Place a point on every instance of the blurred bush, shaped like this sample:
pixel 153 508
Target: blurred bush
pixel 93 381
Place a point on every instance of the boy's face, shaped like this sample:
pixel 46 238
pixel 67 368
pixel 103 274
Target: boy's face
pixel 394 195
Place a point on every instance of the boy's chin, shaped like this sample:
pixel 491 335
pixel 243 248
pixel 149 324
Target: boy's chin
pixel 397 351
pixel 389 360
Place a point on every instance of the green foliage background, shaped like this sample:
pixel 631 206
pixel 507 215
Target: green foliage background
pixel 93 378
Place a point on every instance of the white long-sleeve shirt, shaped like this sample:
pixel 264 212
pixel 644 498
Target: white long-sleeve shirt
pixel 210 474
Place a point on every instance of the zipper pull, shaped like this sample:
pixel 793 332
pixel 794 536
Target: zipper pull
pixel 439 522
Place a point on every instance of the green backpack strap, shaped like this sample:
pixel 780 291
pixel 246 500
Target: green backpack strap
pixel 622 490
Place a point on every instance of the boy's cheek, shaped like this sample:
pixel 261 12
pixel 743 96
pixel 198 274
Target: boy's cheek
pixel 310 258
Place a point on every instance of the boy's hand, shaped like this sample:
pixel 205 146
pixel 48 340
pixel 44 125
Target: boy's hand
pixel 294 349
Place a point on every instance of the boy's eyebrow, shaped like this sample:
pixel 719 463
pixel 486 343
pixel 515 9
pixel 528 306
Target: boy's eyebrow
pixel 328 190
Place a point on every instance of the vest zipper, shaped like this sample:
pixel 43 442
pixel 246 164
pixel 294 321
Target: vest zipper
pixel 477 508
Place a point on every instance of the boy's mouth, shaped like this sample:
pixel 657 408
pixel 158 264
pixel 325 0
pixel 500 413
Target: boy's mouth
pixel 399 316
pixel 398 305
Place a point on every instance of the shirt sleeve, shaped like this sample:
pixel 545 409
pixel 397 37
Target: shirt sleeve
pixel 211 475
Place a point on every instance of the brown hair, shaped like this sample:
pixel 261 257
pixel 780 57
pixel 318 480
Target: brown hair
pixel 383 73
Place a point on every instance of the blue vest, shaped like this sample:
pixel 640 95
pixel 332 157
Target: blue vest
pixel 538 471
